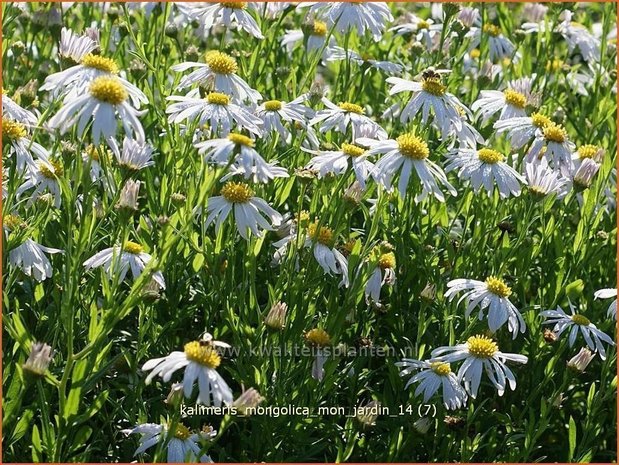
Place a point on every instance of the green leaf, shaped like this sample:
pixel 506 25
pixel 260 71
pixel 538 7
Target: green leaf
pixel 572 439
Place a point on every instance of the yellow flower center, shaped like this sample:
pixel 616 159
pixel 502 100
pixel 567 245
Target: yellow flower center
pixel 182 432
pixel 412 146
pixel 320 29
pixel 12 130
pixel 92 152
pixel 423 24
pixel 234 5
pixel 109 90
pixel 133 248
pixel 433 86
pixel 237 192
pixel 221 63
pixel 491 30
pixel 481 346
pixel 555 133
pixel 101 63
pixel 272 105
pixel 515 99
pixel 498 287
pixel 351 108
pixel 540 120
pixel 490 156
pixel 387 260
pixel 240 139
pixel 581 320
pixel 475 53
pixel 352 150
pixel 12 222
pixel 588 151
pixel 538 191
pixel 52 172
pixel 318 337
pixel 440 368
pixel 203 354
pixel 217 98
pixel 322 235
pixel 302 217
pixel 554 65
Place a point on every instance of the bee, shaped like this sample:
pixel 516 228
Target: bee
pixel 433 73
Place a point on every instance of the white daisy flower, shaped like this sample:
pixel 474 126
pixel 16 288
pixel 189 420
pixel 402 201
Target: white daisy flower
pixel 499 46
pixel 485 167
pixel 218 74
pixel 575 323
pixel 340 117
pixel 587 151
pixel 270 10
pixel 183 445
pixel 425 31
pixel 492 294
pixel 75 47
pixel 370 16
pixel 276 115
pixel 199 360
pixel 543 181
pixel 216 112
pixel 249 211
pixel 106 98
pixel 247 161
pixel 534 12
pixel 434 375
pixel 74 82
pixel 91 158
pixel 316 34
pixel 578 36
pixel 552 142
pixel 12 111
pixel 509 103
pixel 29 256
pixel 318 339
pixel 383 273
pixel 43 177
pixel 321 240
pixel 609 294
pixel 469 16
pixel 336 53
pixel 429 95
pixel 118 261
pixel 336 162
pixel 403 155
pixel 232 15
pixel 521 130
pixel 15 137
pixel 135 155
pixel 480 354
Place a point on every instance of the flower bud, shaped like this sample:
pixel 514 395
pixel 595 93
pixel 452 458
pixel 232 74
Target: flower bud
pixel 580 361
pixel 39 359
pixel 423 425
pixel 367 414
pixel 276 318
pixel 247 402
pixel 129 196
